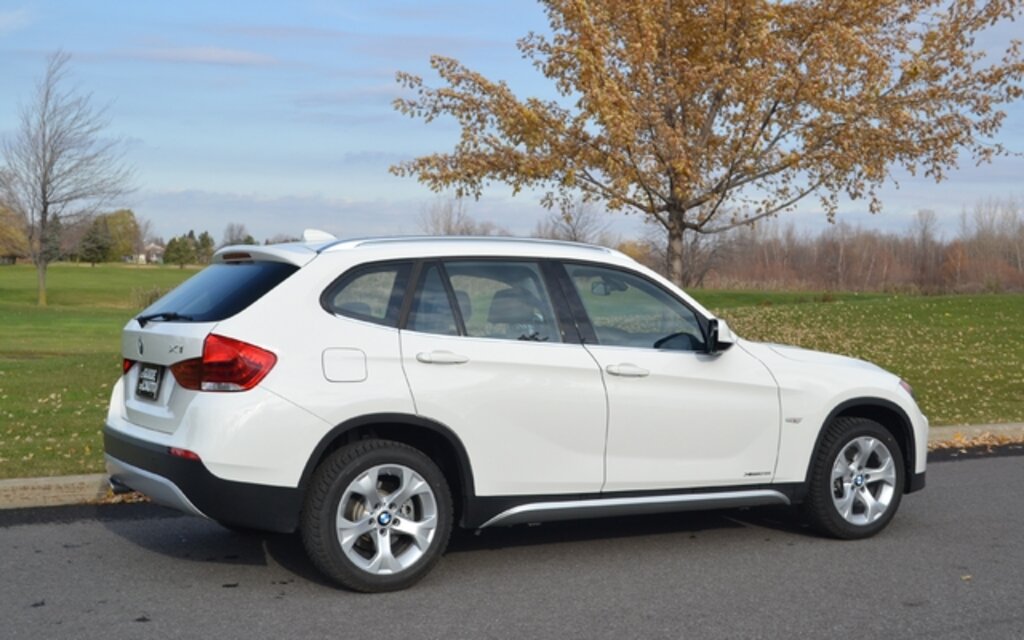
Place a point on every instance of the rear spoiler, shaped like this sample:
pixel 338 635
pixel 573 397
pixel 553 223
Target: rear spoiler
pixel 296 253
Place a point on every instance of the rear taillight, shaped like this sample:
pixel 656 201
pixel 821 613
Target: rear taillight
pixel 126 365
pixel 226 365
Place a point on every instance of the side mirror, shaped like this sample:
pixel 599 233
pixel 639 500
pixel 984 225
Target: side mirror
pixel 711 346
pixel 720 336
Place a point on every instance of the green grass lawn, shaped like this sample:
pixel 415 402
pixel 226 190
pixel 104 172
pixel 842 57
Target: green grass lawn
pixel 963 354
pixel 57 364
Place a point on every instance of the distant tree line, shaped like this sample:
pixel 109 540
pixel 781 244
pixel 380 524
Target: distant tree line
pixel 984 254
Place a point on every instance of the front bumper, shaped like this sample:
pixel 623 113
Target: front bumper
pixel 188 486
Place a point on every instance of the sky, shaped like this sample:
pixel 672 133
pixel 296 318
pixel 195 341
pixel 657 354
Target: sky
pixel 278 115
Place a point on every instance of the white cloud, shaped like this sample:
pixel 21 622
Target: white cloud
pixel 14 20
pixel 202 55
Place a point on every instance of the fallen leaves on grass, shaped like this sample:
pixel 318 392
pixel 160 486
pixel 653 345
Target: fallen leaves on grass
pixel 121 498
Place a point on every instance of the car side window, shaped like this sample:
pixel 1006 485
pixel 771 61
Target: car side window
pixel 431 309
pixel 372 293
pixel 503 299
pixel 627 310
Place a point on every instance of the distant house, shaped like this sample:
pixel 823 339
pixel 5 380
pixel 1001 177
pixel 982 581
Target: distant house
pixel 152 254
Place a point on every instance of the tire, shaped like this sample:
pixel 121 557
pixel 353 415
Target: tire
pixel 377 516
pixel 850 495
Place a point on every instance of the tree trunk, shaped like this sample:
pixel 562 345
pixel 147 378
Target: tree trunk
pixel 676 262
pixel 41 273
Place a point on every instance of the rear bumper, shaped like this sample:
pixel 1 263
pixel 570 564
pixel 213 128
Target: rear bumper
pixel 188 486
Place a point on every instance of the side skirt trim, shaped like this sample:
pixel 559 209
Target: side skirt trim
pixel 604 507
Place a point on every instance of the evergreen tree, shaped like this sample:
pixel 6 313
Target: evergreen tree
pixel 96 243
pixel 181 250
pixel 205 247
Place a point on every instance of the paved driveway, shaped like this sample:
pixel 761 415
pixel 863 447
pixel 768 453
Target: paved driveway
pixel 950 566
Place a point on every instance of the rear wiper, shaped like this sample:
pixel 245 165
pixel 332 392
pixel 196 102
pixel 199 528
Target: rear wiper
pixel 164 315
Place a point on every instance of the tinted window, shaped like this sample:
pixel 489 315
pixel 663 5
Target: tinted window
pixel 627 310
pixel 222 290
pixel 505 300
pixel 431 310
pixel 373 293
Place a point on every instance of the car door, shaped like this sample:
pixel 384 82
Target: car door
pixel 678 417
pixel 486 355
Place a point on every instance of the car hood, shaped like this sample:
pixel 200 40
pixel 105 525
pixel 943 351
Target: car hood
pixel 808 356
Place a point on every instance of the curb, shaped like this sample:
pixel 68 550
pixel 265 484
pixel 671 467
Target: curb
pixel 24 493
pixel 21 493
pixel 1013 430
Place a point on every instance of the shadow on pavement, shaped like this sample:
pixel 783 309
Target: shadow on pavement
pixel 169 533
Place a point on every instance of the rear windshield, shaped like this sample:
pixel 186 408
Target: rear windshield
pixel 221 290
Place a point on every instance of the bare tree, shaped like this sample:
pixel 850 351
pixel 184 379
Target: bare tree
pixel 448 217
pixel 143 236
pixel 580 222
pixel 281 238
pixel 236 233
pixel 58 163
pixel 924 231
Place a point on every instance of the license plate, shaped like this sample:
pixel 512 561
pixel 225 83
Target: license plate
pixel 149 381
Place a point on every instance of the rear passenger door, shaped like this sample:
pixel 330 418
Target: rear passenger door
pixel 486 354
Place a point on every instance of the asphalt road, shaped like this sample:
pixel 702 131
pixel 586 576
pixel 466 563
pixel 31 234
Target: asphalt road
pixel 951 565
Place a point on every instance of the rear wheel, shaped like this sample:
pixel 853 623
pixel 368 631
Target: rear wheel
pixel 377 517
pixel 856 480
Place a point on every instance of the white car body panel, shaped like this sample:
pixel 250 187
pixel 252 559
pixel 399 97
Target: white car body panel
pixel 162 344
pixel 531 414
pixel 255 437
pixel 811 385
pixel 695 420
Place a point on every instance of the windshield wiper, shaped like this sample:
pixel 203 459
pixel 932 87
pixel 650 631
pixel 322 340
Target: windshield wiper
pixel 164 315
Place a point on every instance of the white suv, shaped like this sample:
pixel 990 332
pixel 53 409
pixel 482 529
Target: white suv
pixel 375 393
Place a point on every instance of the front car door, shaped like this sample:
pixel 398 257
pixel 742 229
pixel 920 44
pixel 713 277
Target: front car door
pixel 678 417
pixel 486 355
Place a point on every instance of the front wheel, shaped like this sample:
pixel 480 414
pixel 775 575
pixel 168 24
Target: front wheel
pixel 856 480
pixel 377 517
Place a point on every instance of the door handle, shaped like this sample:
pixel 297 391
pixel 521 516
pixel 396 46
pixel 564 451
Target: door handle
pixel 627 370
pixel 441 357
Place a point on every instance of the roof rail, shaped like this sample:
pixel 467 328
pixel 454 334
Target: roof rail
pixel 502 239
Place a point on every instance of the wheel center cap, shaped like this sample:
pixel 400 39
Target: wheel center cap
pixel 384 519
pixel 858 481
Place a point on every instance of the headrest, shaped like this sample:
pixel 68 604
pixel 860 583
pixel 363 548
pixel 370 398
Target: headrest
pixel 513 306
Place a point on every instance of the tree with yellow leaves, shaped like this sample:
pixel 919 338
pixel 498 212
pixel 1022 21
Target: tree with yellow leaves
pixel 709 115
